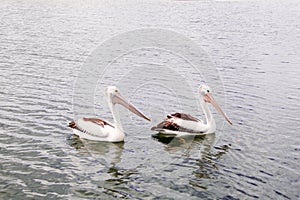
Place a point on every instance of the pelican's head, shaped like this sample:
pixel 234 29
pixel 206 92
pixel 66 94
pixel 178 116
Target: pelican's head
pixel 115 97
pixel 205 94
pixel 111 91
pixel 203 90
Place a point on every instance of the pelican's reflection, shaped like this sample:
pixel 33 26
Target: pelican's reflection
pixel 188 143
pixel 109 154
pixel 198 153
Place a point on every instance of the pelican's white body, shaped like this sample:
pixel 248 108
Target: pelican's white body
pixel 196 127
pixel 98 133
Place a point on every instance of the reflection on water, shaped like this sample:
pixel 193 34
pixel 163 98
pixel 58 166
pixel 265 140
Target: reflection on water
pixel 198 149
pixel 185 144
pixel 195 152
pixel 109 153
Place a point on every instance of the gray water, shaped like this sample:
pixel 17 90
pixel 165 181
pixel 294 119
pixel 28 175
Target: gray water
pixel 254 47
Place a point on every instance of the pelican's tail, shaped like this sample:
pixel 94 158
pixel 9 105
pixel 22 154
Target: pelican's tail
pixel 72 124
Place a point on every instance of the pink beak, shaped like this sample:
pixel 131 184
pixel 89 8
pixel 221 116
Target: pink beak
pixel 209 98
pixel 119 99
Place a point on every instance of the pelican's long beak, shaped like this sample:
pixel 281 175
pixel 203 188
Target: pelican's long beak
pixel 209 98
pixel 119 99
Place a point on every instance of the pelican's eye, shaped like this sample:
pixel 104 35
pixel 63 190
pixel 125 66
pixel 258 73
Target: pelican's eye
pixel 207 90
pixel 116 90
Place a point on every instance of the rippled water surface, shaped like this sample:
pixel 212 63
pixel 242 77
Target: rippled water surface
pixel 253 47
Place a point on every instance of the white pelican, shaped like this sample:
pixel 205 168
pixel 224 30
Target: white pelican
pixel 100 130
pixel 181 124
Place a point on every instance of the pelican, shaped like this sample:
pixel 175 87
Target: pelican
pixel 180 123
pixel 100 130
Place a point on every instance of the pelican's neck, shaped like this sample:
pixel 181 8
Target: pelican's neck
pixel 208 115
pixel 115 115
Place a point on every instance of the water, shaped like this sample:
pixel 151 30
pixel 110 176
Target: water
pixel 255 49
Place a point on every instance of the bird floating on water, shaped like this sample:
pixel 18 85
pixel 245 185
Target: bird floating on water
pixel 100 130
pixel 180 123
